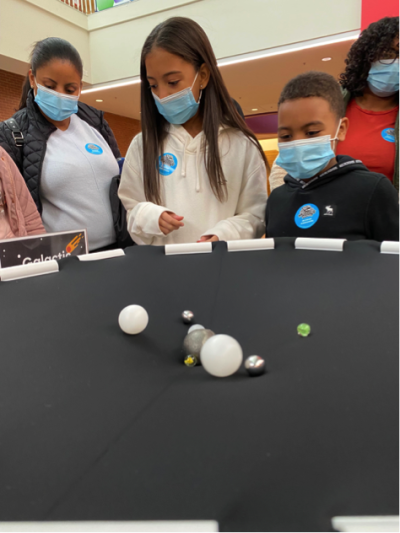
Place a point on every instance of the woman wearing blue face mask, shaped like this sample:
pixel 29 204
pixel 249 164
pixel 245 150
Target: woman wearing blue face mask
pixel 371 93
pixel 196 172
pixel 68 153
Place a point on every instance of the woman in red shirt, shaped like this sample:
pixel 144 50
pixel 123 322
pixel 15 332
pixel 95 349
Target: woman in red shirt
pixel 370 84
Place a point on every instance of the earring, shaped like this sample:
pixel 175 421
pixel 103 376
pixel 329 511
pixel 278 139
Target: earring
pixel 201 86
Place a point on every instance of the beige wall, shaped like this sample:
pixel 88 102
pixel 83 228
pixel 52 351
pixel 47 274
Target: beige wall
pixel 22 23
pixel 233 26
pixel 110 42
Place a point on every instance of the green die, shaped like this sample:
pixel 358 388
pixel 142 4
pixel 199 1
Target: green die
pixel 303 330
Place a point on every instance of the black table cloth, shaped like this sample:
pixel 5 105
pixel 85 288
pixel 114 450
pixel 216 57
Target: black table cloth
pixel 99 425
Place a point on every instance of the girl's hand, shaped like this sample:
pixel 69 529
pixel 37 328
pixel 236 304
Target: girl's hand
pixel 208 238
pixel 168 222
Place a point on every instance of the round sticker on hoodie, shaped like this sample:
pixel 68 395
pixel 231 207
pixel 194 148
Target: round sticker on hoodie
pixel 306 216
pixel 167 163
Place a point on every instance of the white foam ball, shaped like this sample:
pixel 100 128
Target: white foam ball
pixel 221 355
pixel 194 327
pixel 133 319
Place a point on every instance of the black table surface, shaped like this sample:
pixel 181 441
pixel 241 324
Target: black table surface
pixel 99 425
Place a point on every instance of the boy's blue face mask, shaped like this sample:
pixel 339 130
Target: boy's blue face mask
pixel 54 105
pixel 178 108
pixel 383 77
pixel 305 158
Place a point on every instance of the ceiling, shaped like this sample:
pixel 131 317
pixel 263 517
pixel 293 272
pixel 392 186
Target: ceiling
pixel 255 84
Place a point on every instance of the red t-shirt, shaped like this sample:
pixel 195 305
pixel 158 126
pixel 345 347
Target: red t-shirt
pixel 370 137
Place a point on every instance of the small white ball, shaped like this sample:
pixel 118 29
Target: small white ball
pixel 221 355
pixel 133 319
pixel 194 327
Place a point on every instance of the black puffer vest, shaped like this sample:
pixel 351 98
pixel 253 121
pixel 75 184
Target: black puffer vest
pixel 36 130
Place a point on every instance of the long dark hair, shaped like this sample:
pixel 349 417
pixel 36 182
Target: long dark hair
pixel 45 51
pixel 185 38
pixel 372 44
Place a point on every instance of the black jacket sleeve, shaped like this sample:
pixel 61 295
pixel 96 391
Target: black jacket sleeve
pixel 266 219
pixel 108 134
pixel 382 222
pixel 7 142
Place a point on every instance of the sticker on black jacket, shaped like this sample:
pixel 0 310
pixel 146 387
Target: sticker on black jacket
pixel 306 216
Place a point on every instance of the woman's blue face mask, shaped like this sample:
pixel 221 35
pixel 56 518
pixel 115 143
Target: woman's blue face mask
pixel 306 158
pixel 383 77
pixel 178 108
pixel 55 105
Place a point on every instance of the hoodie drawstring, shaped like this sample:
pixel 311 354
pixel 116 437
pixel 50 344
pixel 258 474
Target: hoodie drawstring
pixel 183 173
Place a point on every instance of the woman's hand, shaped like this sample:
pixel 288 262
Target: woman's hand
pixel 168 222
pixel 208 238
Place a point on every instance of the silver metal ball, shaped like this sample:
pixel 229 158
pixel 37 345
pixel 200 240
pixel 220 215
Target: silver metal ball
pixel 187 316
pixel 255 365
pixel 194 341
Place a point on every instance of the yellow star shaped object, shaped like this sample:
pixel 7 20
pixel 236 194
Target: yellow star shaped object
pixel 190 360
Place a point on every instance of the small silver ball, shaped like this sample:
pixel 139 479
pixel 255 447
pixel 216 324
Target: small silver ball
pixel 187 316
pixel 255 365
pixel 194 341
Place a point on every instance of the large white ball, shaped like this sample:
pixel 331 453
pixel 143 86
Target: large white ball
pixel 133 319
pixel 221 355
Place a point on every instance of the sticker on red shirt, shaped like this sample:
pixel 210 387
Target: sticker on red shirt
pixel 388 135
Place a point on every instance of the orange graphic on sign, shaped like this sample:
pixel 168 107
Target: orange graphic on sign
pixel 74 243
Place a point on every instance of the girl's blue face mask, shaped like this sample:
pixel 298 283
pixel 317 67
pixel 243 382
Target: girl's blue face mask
pixel 178 108
pixel 305 158
pixel 383 77
pixel 55 105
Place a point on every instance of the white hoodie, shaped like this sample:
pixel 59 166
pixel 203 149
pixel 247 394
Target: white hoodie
pixel 186 190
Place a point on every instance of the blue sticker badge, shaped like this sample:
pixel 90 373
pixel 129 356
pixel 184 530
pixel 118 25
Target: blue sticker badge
pixel 94 149
pixel 167 163
pixel 306 216
pixel 388 135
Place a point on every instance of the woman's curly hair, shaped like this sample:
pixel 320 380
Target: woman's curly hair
pixel 373 43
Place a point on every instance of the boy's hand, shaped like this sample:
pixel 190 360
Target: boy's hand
pixel 168 222
pixel 208 238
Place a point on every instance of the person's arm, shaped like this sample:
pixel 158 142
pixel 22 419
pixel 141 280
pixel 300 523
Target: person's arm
pixel 142 216
pixel 276 176
pixel 382 218
pixel 266 219
pixel 248 222
pixel 33 222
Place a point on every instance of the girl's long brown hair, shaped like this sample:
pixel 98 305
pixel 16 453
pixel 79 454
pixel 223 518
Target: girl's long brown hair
pixel 186 39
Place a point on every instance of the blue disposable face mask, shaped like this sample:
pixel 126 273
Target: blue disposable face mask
pixel 178 108
pixel 305 158
pixel 55 105
pixel 383 77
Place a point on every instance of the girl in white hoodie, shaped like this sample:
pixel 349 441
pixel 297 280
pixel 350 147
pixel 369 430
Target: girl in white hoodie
pixel 196 173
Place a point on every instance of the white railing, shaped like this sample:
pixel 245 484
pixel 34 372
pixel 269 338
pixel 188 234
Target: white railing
pixel 85 6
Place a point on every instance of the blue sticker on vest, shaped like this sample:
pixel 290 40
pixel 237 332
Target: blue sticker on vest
pixel 388 135
pixel 167 163
pixel 306 216
pixel 94 149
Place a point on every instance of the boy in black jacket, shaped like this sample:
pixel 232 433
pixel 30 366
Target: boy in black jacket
pixel 324 195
